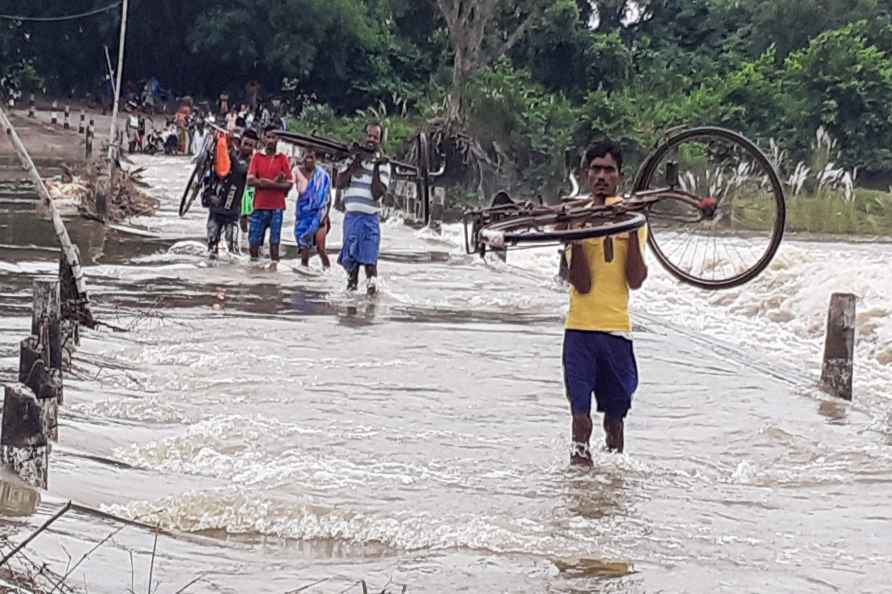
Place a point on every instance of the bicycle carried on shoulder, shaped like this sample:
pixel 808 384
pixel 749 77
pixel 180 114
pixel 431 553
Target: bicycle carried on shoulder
pixel 713 204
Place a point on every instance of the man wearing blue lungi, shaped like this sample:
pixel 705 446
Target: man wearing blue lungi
pixel 364 182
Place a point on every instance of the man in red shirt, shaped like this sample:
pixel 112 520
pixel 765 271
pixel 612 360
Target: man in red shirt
pixel 270 174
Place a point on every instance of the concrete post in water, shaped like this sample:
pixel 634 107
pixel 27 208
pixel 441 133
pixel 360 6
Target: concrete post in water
pixel 47 312
pixel 839 346
pixel 44 383
pixel 24 447
pixel 46 325
pixel 438 207
pixel 71 309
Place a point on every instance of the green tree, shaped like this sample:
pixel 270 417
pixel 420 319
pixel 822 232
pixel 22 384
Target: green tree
pixel 588 59
pixel 843 83
pixel 790 25
pixel 478 38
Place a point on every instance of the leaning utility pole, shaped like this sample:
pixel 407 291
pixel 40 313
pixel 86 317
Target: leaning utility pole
pixel 112 147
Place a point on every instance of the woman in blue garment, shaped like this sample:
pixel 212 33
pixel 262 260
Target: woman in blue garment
pixel 314 200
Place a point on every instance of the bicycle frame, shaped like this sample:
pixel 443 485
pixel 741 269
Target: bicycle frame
pixel 576 210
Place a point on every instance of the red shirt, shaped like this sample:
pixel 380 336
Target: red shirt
pixel 269 167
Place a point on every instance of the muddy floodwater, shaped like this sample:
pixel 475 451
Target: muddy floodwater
pixel 282 432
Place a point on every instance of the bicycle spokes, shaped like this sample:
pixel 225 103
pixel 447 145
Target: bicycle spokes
pixel 731 227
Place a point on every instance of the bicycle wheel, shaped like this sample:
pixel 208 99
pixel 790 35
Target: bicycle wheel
pixel 734 238
pixel 196 180
pixel 555 227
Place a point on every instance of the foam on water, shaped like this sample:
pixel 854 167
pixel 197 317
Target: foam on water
pixel 451 436
pixel 241 511
pixel 780 317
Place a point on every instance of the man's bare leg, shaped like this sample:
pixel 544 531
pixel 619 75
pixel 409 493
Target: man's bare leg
pixel 353 279
pixel 320 248
pixel 582 433
pixel 614 438
pixel 274 257
pixel 371 274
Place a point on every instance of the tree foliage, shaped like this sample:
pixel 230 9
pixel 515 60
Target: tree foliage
pixel 565 70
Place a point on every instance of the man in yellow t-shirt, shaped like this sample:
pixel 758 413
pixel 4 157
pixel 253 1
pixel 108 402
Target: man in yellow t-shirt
pixel 597 355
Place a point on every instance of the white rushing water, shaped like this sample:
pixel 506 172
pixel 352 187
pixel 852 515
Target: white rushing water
pixel 422 437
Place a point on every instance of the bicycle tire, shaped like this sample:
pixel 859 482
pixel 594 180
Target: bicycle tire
pixel 512 231
pixel 189 195
pixel 196 180
pixel 648 170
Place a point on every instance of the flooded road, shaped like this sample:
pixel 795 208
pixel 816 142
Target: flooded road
pixel 285 432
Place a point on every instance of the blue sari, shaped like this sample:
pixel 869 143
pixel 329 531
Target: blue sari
pixel 312 206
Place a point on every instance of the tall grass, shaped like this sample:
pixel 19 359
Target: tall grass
pixel 822 198
pixel 825 198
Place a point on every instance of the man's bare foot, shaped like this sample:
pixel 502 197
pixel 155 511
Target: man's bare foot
pixel 613 430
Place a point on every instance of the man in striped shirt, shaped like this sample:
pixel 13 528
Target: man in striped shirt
pixel 364 182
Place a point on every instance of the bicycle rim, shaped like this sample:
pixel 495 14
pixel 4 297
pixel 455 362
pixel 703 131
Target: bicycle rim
pixel 193 187
pixel 744 229
pixel 196 180
pixel 549 228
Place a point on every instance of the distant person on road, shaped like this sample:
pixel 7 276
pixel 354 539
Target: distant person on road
pixel 597 355
pixel 270 175
pixel 252 91
pixel 364 182
pixel 241 117
pixel 231 121
pixel 311 223
pixel 225 196
pixel 182 117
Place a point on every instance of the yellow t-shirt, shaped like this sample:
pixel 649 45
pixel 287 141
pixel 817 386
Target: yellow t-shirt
pixel 605 308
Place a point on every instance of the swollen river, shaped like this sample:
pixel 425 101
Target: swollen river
pixel 282 432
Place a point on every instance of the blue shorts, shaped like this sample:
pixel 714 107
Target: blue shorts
pixel 362 240
pixel 601 363
pixel 261 220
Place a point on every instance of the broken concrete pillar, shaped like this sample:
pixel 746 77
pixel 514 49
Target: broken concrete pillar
pixel 839 346
pixel 24 447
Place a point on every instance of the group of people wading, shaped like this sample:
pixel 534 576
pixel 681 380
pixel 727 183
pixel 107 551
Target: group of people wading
pixel 252 196
pixel 598 356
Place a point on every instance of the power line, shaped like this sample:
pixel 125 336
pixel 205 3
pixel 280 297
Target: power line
pixel 72 17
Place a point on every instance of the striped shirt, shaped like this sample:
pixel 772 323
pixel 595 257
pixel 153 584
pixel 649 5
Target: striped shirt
pixel 358 195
